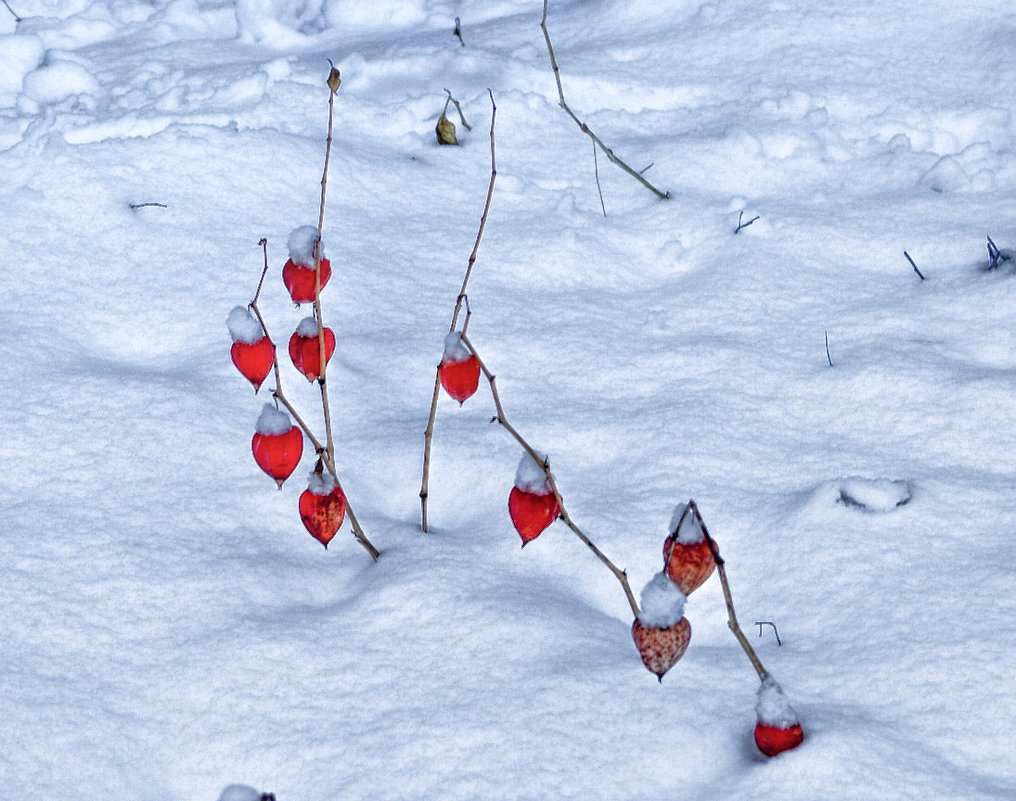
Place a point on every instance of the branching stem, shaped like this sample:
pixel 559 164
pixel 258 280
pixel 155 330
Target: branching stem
pixel 460 299
pixel 582 126
pixel 502 420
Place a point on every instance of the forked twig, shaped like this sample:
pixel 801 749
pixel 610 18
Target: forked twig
pixel 458 108
pixel 731 617
pixel 582 126
pixel 429 434
pixel 502 420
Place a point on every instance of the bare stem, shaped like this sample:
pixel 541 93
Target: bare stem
pixel 13 14
pixel 731 617
pixel 502 420
pixel 429 434
pixel 582 126
pixel 458 108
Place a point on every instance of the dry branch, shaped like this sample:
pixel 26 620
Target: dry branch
pixel 429 434
pixel 582 126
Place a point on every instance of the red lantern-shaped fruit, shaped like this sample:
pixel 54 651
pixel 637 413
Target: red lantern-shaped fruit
pixel 305 348
pixel 772 740
pixel 531 513
pixel 277 444
pixel 253 352
pixel 778 728
pixel 661 648
pixel 687 557
pixel 322 507
pixel 460 369
pixel 299 279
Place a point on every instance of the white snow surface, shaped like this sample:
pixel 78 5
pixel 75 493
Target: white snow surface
pixel 530 475
pixel 662 602
pixel 272 421
pixel 455 349
pixel 244 326
pixel 169 626
pixel 772 708
pixel 301 244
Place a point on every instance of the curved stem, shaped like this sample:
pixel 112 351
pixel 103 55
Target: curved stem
pixel 502 420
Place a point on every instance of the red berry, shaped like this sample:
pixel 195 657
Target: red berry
pixel 660 649
pixel 255 360
pixel 305 351
pixel 278 454
pixel 772 740
pixel 531 513
pixel 460 378
pixel 688 564
pixel 322 514
pixel 299 280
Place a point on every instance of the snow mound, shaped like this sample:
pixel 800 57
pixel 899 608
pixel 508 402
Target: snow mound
pixel 687 525
pixel 307 327
pixel 321 483
pixel 243 326
pixel 57 80
pixel 772 707
pixel 662 602
pixel 239 792
pixel 874 495
pixel 530 476
pixel 22 54
pixel 454 349
pixel 272 421
pixel 301 245
pixel 947 175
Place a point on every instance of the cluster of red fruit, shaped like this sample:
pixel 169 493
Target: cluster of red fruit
pixel 277 444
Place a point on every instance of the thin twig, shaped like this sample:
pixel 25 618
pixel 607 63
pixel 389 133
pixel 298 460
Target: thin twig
pixel 582 126
pixel 914 265
pixel 429 434
pixel 740 215
pixel 502 420
pixel 731 617
pixel 829 358
pixel 596 172
pixel 458 32
pixel 458 108
pixel 13 14
pixel 776 631
pixel 142 205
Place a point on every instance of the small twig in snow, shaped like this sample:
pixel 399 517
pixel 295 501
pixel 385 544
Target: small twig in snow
pixel 458 32
pixel 761 623
pixel 829 358
pixel 146 205
pixel 458 108
pixel 741 225
pixel 13 14
pixel 995 255
pixel 914 265
pixel 596 172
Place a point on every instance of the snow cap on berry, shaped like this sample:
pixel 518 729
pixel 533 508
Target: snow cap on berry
pixel 455 349
pixel 321 483
pixel 307 328
pixel 301 245
pixel 773 708
pixel 243 326
pixel 662 603
pixel 530 476
pixel 687 525
pixel 272 421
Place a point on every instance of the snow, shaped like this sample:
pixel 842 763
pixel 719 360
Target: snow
pixel 239 792
pixel 454 348
pixel 301 245
pixel 308 328
pixel 321 483
pixel 530 475
pixel 662 602
pixel 272 421
pixel 772 707
pixel 169 626
pixel 244 326
pixel 686 525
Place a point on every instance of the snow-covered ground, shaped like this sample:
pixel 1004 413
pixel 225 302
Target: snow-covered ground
pixel 168 626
